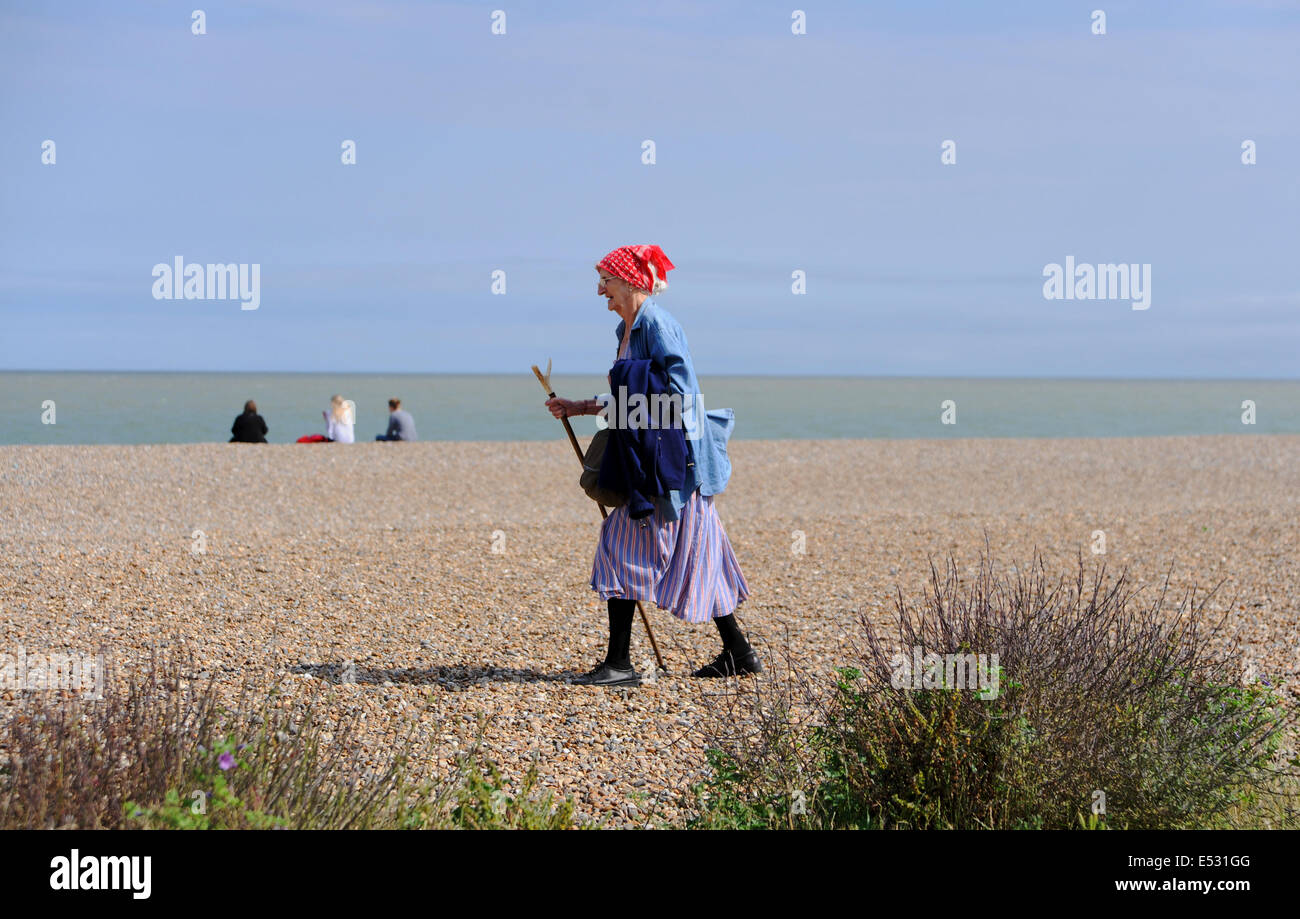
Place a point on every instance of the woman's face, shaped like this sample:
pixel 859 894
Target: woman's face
pixel 619 295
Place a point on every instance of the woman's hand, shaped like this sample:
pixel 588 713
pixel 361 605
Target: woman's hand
pixel 563 408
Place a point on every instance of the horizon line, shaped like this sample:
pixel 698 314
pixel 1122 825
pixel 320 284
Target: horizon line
pixel 773 376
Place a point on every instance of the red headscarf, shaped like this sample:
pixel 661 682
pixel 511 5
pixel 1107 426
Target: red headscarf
pixel 644 267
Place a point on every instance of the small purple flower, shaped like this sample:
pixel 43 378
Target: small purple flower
pixel 226 761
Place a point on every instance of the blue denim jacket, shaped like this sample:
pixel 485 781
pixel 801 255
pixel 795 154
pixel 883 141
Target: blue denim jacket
pixel 657 336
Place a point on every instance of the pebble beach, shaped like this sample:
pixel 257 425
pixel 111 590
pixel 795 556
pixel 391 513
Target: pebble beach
pixel 445 585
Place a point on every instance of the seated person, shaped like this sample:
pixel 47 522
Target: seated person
pixel 401 426
pixel 249 428
pixel 338 421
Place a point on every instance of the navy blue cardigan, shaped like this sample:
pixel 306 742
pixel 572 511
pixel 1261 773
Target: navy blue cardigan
pixel 643 462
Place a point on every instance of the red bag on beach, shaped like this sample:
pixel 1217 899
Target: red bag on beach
pixel 313 439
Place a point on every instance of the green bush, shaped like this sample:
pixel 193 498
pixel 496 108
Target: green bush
pixel 160 751
pixel 1107 713
pixel 482 803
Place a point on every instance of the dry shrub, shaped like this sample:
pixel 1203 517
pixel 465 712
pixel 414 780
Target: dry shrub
pixel 1108 711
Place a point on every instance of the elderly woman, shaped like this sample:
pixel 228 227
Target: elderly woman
pixel 680 556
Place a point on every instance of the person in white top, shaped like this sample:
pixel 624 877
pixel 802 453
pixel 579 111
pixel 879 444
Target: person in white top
pixel 339 420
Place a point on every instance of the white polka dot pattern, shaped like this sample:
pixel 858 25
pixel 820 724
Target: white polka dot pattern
pixel 644 267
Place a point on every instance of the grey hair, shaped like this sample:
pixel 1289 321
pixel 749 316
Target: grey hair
pixel 659 286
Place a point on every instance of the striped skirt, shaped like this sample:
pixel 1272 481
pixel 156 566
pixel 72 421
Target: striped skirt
pixel 685 566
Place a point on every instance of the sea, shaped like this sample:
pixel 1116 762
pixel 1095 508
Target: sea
pixel 162 408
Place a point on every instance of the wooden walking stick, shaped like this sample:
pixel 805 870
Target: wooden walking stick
pixel 545 380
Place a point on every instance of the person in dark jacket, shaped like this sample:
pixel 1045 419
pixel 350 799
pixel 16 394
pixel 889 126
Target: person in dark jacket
pixel 646 456
pixel 249 428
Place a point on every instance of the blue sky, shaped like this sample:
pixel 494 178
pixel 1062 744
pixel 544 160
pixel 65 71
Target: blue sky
pixel 775 152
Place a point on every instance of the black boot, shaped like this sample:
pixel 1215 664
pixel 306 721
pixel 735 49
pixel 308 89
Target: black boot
pixel 737 657
pixel 616 668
